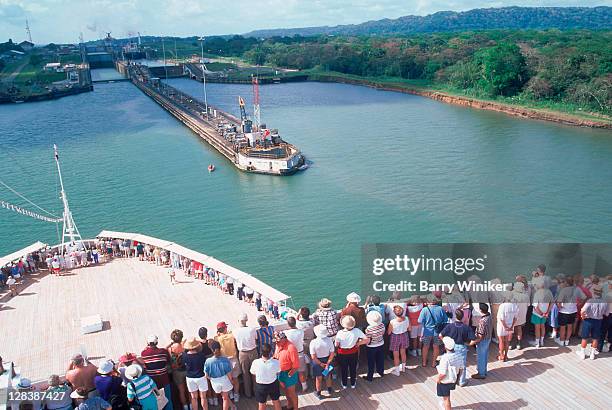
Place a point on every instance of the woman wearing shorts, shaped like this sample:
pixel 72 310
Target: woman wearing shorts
pixel 506 319
pixel 218 369
pixel 193 358
pixel 567 304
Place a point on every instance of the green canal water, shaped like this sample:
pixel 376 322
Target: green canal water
pixel 386 167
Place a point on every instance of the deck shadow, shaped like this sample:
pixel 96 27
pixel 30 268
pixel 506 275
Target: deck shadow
pixel 510 405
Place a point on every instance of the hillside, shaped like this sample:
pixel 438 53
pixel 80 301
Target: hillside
pixel 477 19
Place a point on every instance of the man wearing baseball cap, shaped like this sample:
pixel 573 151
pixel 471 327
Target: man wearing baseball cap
pixel 156 361
pixel 593 313
pixel 228 349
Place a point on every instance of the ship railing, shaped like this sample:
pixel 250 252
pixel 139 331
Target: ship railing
pixel 238 275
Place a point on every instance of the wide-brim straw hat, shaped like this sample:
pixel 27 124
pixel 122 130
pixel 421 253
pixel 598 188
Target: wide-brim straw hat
pixel 347 322
pixel 191 344
pixel 324 303
pixel 374 318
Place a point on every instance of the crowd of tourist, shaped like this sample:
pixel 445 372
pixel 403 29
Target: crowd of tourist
pixel 321 350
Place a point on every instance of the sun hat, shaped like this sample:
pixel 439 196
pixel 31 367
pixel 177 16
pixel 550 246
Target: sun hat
pixel 353 298
pixel 221 325
pixel 374 318
pixel 243 317
pixel 191 344
pixel 152 339
pixel 321 331
pixel 133 371
pixel 449 343
pixel 128 357
pixel 324 303
pixel 347 322
pixel 24 383
pixel 106 367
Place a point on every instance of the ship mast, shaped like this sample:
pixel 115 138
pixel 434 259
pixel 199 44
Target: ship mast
pixel 256 113
pixel 70 232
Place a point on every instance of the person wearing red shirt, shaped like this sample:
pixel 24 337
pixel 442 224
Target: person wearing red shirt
pixel 287 355
pixel 157 361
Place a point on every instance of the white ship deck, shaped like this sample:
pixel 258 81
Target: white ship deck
pixel 40 331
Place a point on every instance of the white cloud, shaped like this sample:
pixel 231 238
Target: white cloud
pixel 62 20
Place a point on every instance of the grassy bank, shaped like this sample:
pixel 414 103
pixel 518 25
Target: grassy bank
pixel 544 110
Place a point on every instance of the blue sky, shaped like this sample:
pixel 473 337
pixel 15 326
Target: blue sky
pixel 61 20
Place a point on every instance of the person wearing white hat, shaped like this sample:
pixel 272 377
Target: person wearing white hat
pixel 322 352
pixel 353 309
pixel 375 333
pixel 449 370
pixel 348 341
pixel 157 361
pixel 246 341
pixel 108 384
pixel 593 312
pixel 141 388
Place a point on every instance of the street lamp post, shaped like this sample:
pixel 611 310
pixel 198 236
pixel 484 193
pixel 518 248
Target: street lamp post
pixel 204 80
pixel 164 51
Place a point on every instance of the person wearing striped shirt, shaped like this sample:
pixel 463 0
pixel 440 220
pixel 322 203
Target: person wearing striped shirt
pixel 141 388
pixel 375 332
pixel 157 361
pixel 265 334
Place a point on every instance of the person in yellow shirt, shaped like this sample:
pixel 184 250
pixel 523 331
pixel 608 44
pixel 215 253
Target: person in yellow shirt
pixel 230 350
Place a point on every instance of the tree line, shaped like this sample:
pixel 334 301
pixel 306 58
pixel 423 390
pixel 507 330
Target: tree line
pixel 573 67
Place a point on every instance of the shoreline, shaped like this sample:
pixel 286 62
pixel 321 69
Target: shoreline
pixel 515 111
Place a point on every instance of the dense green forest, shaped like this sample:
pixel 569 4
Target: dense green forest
pixel 593 18
pixel 570 67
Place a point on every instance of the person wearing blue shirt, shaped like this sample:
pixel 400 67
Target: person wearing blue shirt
pixel 218 369
pixel 432 317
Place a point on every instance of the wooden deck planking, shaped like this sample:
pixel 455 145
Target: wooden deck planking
pixel 40 331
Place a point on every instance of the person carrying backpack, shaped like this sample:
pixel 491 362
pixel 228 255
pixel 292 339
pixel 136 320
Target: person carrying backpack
pixel 433 319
